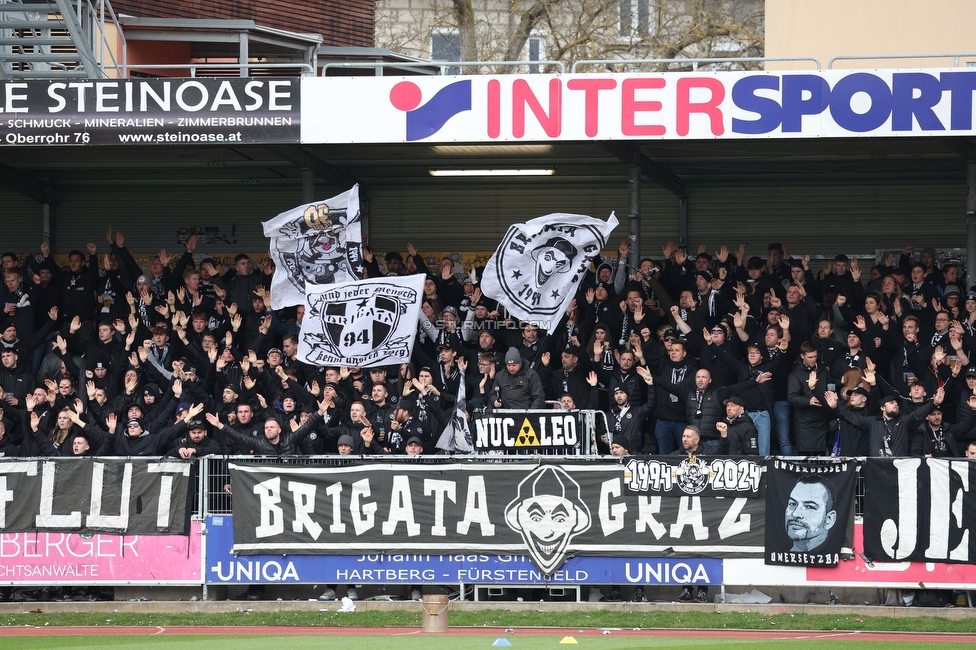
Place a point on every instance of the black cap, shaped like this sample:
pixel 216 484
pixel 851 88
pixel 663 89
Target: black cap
pixel 705 273
pixel 861 390
pixel 573 350
pixel 415 440
pixel 755 262
pixel 971 371
pixel 196 424
pixel 735 399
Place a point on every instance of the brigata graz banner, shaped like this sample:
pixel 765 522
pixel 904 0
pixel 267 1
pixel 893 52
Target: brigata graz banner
pixel 679 476
pixel 150 111
pixel 919 509
pixel 558 431
pixel 546 511
pixel 131 496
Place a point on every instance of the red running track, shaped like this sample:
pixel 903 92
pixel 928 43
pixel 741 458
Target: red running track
pixel 838 635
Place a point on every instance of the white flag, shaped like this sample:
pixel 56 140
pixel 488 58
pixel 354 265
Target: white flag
pixel 315 243
pixel 457 433
pixel 539 265
pixel 361 324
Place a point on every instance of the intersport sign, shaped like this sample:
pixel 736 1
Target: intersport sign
pixel 700 105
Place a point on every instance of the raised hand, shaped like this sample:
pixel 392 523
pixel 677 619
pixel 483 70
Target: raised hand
pixel 869 371
pixel 645 374
pixel 623 250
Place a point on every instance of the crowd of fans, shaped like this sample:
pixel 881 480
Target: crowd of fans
pixel 705 354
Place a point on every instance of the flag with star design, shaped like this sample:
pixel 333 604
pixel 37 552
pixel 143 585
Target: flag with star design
pixel 316 243
pixel 539 264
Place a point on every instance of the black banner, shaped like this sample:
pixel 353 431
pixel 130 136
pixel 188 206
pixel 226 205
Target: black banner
pixel 556 431
pixel 150 111
pixel 809 508
pixel 681 475
pixel 546 511
pixel 127 496
pixel 920 509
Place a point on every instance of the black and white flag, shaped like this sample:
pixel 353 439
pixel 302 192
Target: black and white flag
pixel 361 324
pixel 457 434
pixel 539 265
pixel 316 243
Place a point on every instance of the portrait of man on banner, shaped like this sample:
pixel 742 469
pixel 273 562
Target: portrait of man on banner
pixel 807 511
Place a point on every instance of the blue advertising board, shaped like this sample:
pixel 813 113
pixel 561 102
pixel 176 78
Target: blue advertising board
pixel 414 569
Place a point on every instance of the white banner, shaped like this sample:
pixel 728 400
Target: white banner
pixel 539 264
pixel 639 106
pixel 361 324
pixel 316 243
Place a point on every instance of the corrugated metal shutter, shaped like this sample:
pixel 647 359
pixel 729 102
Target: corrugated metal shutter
pixel 151 216
pixel 827 217
pixel 473 217
pixel 21 221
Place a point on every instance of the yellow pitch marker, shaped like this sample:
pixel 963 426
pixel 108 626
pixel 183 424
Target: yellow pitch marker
pixel 568 640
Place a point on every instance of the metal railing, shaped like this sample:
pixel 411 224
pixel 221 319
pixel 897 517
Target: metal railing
pixel 28 38
pixel 695 62
pixel 444 67
pixel 881 57
pixel 306 68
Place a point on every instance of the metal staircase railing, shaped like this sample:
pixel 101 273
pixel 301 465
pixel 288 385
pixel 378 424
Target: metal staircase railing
pixel 51 39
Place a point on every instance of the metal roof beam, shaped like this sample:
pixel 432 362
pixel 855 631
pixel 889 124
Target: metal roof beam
pixel 654 171
pixel 25 184
pixel 302 157
pixel 962 146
